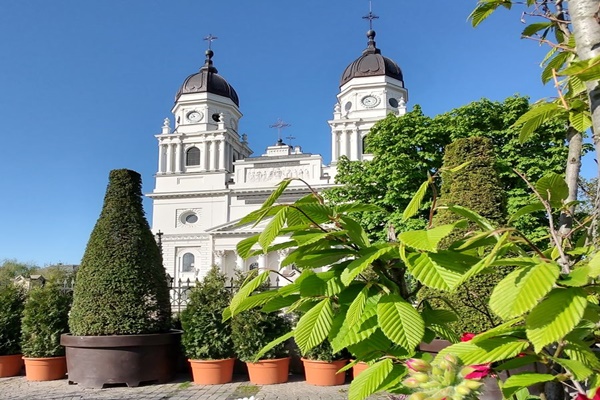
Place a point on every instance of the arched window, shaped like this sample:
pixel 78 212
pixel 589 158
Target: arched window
pixel 187 262
pixel 192 156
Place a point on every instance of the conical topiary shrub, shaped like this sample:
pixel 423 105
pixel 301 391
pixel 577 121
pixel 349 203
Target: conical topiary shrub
pixel 121 314
pixel 121 286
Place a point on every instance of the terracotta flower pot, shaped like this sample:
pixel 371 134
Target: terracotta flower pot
pixel 11 365
pixel 212 372
pixel 268 372
pixel 45 369
pixel 323 373
pixel 358 368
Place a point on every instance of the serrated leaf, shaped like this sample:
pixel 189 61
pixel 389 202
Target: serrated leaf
pixel 400 322
pixel 316 212
pixel 322 258
pixel 415 203
pixel 244 246
pixel 314 326
pixel 355 231
pixel 581 121
pixel 429 239
pixel 534 117
pixel 555 63
pixel 582 354
pixel 246 290
pixel 369 381
pixel 521 290
pixel 280 302
pixel 577 277
pixel 276 193
pixel 586 70
pixel 594 264
pixel 272 229
pixel 360 264
pixel 519 381
pixel 357 306
pixel 441 271
pixel 272 344
pixel 535 28
pixel 366 326
pixel 528 209
pixel 555 316
pixel 256 300
pixel 578 370
pixel 481 12
pixel 502 329
pixel 552 187
pixel 482 222
pixel 486 351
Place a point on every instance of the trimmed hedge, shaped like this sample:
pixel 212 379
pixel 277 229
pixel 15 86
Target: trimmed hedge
pixel 121 285
pixel 12 299
pixel 477 187
pixel 205 335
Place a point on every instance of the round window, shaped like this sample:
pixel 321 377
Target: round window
pixel 191 218
pixel 215 117
pixel 393 102
pixel 348 106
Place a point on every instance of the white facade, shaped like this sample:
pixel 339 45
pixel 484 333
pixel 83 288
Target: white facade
pixel 207 180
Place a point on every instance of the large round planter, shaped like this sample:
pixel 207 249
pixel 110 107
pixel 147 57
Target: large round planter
pixel 323 373
pixel 11 365
pixel 96 361
pixel 45 369
pixel 212 372
pixel 269 372
pixel 358 368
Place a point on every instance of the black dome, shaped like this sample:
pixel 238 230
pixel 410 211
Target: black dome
pixel 371 63
pixel 208 80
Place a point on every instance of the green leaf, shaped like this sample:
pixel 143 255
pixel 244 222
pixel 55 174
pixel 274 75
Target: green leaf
pixel 502 329
pixel 272 344
pixel 415 203
pixel 535 28
pixel 280 302
pixel 272 229
pixel 246 290
pixel 580 120
pixel 486 351
pixel 400 321
pixel 357 207
pixel 369 381
pixel 256 300
pixel 521 290
pixel 245 246
pixel 440 271
pixel 321 258
pixel 318 213
pixel 483 10
pixel 552 187
pixel 556 316
pixel 314 326
pixel 360 264
pixel 582 354
pixel 578 369
pixel 586 70
pixel 366 326
pixel 429 239
pixel 536 116
pixel 528 209
pixel 357 306
pixel 516 382
pixel 577 277
pixel 556 63
pixel 355 231
pixel 472 216
pixel 276 193
pixel 594 264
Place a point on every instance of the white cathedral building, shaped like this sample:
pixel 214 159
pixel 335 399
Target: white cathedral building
pixel 208 178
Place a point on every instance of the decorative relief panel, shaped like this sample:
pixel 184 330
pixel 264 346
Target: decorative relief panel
pixel 277 174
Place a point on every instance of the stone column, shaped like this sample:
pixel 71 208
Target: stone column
pixel 240 263
pixel 160 158
pixel 178 151
pixel 219 257
pixel 354 144
pixel 334 146
pixel 343 144
pixel 169 169
pixel 214 165
pixel 204 156
pixel 222 146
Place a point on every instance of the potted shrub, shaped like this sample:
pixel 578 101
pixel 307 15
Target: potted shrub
pixel 321 365
pixel 45 319
pixel 11 310
pixel 121 316
pixel 206 338
pixel 252 330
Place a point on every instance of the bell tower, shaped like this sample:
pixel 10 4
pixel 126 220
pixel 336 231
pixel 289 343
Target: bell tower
pixel 371 87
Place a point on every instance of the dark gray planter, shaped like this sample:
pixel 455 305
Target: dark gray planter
pixel 97 361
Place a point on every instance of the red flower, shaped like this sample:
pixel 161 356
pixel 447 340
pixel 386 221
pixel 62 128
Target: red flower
pixel 581 396
pixel 479 371
pixel 467 336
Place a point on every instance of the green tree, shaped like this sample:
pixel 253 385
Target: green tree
pixel 12 268
pixel 407 148
pixel 121 286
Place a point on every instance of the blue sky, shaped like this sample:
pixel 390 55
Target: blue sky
pixel 85 86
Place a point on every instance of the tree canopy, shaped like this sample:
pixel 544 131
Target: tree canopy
pixel 407 148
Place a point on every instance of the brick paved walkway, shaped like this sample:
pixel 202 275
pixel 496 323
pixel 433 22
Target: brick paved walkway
pixel 18 388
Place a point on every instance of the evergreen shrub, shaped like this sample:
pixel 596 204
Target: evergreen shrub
pixel 11 311
pixel 45 318
pixel 324 352
pixel 205 335
pixel 121 285
pixel 477 187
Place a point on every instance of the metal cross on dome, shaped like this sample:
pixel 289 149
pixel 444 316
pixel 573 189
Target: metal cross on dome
pixel 290 138
pixel 370 16
pixel 279 125
pixel 210 38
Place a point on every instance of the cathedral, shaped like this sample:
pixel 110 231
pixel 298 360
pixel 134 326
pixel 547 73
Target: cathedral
pixel 208 177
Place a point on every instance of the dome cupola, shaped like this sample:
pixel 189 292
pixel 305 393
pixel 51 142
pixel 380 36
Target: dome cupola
pixel 371 63
pixel 208 80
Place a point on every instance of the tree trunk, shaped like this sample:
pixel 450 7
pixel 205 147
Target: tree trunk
pixel 586 28
pixel 575 140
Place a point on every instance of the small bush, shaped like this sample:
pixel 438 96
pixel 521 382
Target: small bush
pixel 11 310
pixel 45 318
pixel 121 285
pixel 324 352
pixel 205 336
